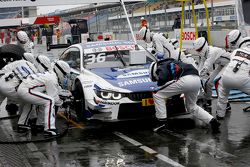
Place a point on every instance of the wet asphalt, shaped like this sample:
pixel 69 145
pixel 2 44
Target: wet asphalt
pixel 134 144
pixel 97 144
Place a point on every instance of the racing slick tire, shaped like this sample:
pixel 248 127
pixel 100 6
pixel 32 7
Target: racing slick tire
pixel 79 101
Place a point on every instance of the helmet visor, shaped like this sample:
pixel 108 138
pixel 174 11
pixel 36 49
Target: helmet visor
pixel 200 49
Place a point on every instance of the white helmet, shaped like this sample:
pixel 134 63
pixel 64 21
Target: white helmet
pixel 62 70
pixel 152 72
pixel 174 42
pixel 145 34
pixel 200 45
pixel 235 37
pixel 29 57
pixel 43 63
pixel 22 37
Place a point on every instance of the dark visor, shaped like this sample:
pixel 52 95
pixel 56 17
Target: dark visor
pixel 235 41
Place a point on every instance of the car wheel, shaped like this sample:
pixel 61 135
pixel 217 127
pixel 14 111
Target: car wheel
pixel 79 102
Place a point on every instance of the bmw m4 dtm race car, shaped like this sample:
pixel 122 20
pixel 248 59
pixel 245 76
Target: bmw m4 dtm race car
pixel 110 80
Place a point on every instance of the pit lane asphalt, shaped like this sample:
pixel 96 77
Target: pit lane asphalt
pixel 134 144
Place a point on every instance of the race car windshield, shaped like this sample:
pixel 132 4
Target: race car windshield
pixel 107 59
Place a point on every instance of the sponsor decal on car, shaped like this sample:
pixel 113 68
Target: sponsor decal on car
pixel 137 73
pixel 134 82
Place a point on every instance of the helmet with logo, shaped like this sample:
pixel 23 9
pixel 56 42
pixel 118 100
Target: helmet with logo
pixel 62 70
pixel 145 34
pixel 22 37
pixel 200 45
pixel 43 63
pixel 29 57
pixel 152 72
pixel 174 42
pixel 234 37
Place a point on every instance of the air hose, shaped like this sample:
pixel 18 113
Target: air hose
pixel 45 139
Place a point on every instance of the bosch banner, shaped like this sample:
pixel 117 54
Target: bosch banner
pixel 188 36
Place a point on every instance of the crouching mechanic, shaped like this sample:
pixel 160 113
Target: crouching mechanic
pixel 209 57
pixel 174 78
pixel 235 76
pixel 42 89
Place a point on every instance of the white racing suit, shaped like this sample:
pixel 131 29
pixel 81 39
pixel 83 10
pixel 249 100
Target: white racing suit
pixel 214 57
pixel 188 83
pixel 164 47
pixel 40 89
pixel 12 75
pixel 235 76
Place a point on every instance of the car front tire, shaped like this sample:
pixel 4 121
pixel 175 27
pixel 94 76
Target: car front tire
pixel 79 101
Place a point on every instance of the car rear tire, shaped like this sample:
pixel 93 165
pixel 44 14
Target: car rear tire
pixel 79 102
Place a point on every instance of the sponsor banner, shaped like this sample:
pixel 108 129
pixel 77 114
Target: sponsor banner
pixel 47 20
pixel 23 3
pixel 188 37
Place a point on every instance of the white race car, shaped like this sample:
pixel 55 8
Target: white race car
pixel 110 80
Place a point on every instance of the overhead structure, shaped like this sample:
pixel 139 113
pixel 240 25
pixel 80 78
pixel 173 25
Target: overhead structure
pixel 26 3
pixel 195 20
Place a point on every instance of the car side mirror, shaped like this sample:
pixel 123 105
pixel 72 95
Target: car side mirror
pixel 137 57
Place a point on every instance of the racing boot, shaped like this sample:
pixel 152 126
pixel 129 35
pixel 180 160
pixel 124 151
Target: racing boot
pixel 160 125
pixel 51 132
pixel 11 108
pixel 228 107
pixel 215 125
pixel 37 129
pixel 22 128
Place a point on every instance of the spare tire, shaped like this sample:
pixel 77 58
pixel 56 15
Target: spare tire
pixel 11 51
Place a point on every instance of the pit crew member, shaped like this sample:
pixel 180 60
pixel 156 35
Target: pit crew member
pixel 174 78
pixel 42 89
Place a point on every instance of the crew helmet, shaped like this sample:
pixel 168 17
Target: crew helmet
pixel 29 57
pixel 43 63
pixel 145 34
pixel 152 72
pixel 200 45
pixel 174 42
pixel 234 37
pixel 22 37
pixel 62 70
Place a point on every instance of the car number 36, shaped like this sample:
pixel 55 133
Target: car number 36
pixel 99 58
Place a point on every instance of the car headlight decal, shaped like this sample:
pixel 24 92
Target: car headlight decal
pixel 108 95
pixel 116 96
